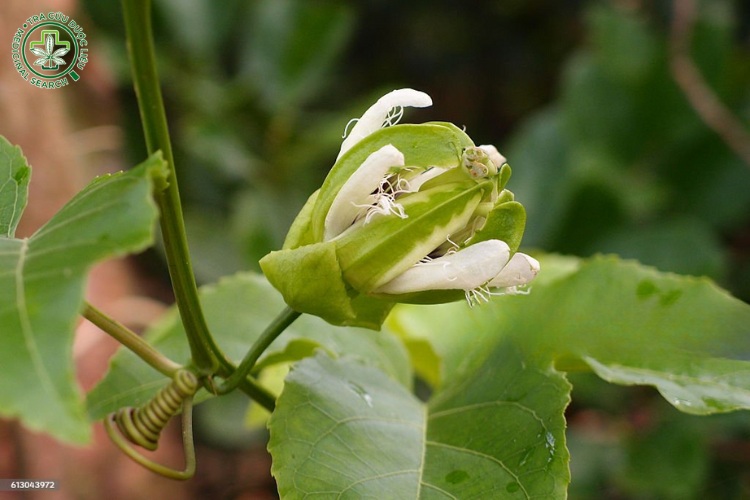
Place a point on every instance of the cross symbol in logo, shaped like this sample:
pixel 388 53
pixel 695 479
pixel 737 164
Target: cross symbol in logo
pixel 49 40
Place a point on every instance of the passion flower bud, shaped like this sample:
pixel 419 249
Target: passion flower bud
pixel 408 213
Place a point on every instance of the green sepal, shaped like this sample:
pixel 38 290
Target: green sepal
pixel 427 297
pixel 505 222
pixel 300 231
pixel 450 176
pixel 504 175
pixel 428 144
pixel 504 196
pixel 309 278
pixel 371 254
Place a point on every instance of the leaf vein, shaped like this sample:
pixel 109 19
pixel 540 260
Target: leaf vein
pixel 485 456
pixel 27 329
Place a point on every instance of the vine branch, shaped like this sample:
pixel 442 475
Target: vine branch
pixel 697 91
pixel 206 354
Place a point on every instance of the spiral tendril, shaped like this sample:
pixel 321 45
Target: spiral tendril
pixel 143 426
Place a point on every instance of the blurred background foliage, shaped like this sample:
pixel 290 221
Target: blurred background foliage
pixel 607 155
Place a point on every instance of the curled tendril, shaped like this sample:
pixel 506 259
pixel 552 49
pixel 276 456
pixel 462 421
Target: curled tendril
pixel 143 426
pixel 351 122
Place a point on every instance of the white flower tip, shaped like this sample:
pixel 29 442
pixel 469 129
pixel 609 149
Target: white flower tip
pixel 494 154
pixel 521 269
pixel 467 269
pixel 406 98
pixel 377 114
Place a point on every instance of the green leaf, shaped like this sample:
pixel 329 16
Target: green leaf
pixel 345 430
pixel 238 309
pixel 15 175
pixel 290 48
pixel 628 323
pixel 614 29
pixel 42 282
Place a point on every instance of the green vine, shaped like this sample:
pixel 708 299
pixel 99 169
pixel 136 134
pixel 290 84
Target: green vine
pixel 206 355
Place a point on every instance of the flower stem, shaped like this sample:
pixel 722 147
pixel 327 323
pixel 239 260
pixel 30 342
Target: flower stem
pixel 137 14
pixel 270 334
pixel 131 340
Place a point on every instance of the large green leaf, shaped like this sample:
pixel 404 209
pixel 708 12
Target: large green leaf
pixel 42 282
pixel 237 309
pixel 628 323
pixel 15 174
pixel 343 430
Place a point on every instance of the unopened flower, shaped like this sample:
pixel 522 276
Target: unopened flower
pixel 408 213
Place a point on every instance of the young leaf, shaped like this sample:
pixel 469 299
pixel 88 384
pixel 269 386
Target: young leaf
pixel 15 174
pixel 237 309
pixel 42 282
pixel 345 430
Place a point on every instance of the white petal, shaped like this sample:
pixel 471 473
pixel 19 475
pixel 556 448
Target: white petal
pixel 520 270
pixel 374 117
pixel 358 188
pixel 416 182
pixel 494 154
pixel 466 269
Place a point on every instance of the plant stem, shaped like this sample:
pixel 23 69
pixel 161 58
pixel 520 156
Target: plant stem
pixel 131 340
pixel 272 331
pixel 258 393
pixel 206 354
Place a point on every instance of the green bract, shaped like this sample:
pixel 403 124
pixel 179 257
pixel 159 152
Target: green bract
pixel 408 213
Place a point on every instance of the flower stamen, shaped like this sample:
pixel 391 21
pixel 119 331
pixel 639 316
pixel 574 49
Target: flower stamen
pixel 384 199
pixel 478 295
pixel 393 117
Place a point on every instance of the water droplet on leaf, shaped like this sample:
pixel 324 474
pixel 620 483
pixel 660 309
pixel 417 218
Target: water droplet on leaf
pixel 457 476
pixel 359 391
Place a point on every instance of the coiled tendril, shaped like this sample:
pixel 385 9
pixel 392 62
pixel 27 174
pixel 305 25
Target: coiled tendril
pixel 143 426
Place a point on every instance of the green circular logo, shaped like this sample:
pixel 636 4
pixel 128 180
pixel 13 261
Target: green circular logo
pixel 49 50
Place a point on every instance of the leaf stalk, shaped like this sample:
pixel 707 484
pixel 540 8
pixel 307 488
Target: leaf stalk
pixel 272 331
pixel 131 340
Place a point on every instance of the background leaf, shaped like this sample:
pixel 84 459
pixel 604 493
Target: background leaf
pixel 237 309
pixel 291 47
pixel 15 175
pixel 628 323
pixel 41 291
pixel 344 429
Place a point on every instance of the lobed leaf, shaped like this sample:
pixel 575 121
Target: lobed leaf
pixel 628 323
pixel 15 175
pixel 42 282
pixel 344 430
